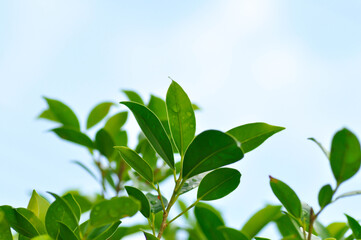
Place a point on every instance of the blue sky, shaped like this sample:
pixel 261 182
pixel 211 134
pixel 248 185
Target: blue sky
pixel 290 63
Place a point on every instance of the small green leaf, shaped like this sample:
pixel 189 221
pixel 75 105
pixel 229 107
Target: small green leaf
pixel 115 122
pixel 43 237
pixel 327 153
pixel 288 228
pixel 48 114
pixel 147 152
pixel 218 183
pixel 109 211
pixel 136 162
pixel 181 117
pixel 105 232
pixel 66 233
pixel 325 195
pixel 149 236
pixel 260 219
pixel 139 195
pixel 287 197
pixel 337 229
pixel 183 207
pixel 155 203
pixel 63 113
pixel 209 150
pixel 84 202
pixel 157 106
pixel 38 205
pixel 253 134
pixel 349 194
pixel 355 227
pixel 232 234
pixel 104 143
pixel 345 157
pixel 192 183
pixel 5 232
pixel 209 220
pixel 153 130
pixel 133 96
pixel 73 136
pixel 98 113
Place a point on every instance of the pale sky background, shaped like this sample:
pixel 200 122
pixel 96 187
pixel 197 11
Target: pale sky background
pixel 295 64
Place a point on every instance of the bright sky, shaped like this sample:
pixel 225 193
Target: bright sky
pixel 289 63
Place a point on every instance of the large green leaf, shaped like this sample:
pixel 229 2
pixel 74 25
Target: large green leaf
pixel 33 219
pixel 74 136
pixel 63 113
pixel 133 96
pixel 209 221
pixel 104 232
pixel 253 134
pixel 355 226
pixel 136 162
pixel 218 184
pixel 104 143
pixel 287 197
pixel 325 195
pixel 209 150
pixel 74 206
pixel 115 122
pixel 155 203
pixel 180 116
pixel 260 219
pixel 139 195
pixel 38 205
pixel 232 234
pixel 157 105
pixel 84 202
pixel 153 130
pixel 337 229
pixel 345 157
pixel 5 232
pixel 98 113
pixel 110 211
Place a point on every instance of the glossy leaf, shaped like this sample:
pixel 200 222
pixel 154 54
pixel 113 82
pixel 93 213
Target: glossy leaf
pixel 210 150
pixel 5 232
pixel 325 195
pixel 153 130
pixel 32 219
pixel 136 162
pixel 109 211
pixel 181 117
pixel 74 136
pixel 253 134
pixel 260 219
pixel 345 157
pixel 48 114
pixel 43 237
pixel 38 205
pixel 74 206
pixel 155 203
pixel 232 234
pixel 84 202
pixel 355 227
pixel 157 106
pixel 114 123
pixel 106 232
pixel 139 195
pixel 337 229
pixel 63 113
pixel 286 196
pixel 98 113
pixel 133 96
pixel 147 152
pixel 59 211
pixel 104 143
pixel 218 184
pixel 149 236
pixel 209 221
pixel 192 183
pixel 66 233
pixel 327 153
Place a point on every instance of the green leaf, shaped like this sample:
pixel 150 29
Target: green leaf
pixel 325 195
pixel 63 113
pixel 139 195
pixel 133 96
pixel 109 211
pixel 345 157
pixel 136 162
pixel 48 114
pixel 74 206
pixel 192 183
pixel 147 152
pixel 181 117
pixel 209 221
pixel 155 203
pixel 209 150
pixel 98 113
pixel 84 202
pixel 337 229
pixel 38 205
pixel 149 236
pixel 5 233
pixel 260 219
pixel 115 122
pixel 349 194
pixel 157 106
pixel 59 211
pixel 66 232
pixel 327 153
pixel 253 134
pixel 219 183
pixel 104 143
pixel 183 207
pixel 105 232
pixel 42 237
pixel 153 130
pixel 232 234
pixel 288 228
pixel 355 227
pixel 287 197
pixel 33 219
pixel 73 136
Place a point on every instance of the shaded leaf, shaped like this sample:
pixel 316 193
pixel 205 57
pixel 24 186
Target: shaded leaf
pixel 209 150
pixel 157 106
pixel 325 195
pixel 38 205
pixel 209 221
pixel 66 233
pixel 232 234
pixel 5 233
pixel 181 117
pixel 139 195
pixel 253 134
pixel 155 203
pixel 74 136
pixel 345 157
pixel 218 184
pixel 106 232
pixel 104 143
pixel 98 113
pixel 153 130
pixel 355 227
pixel 149 236
pixel 288 228
pixel 115 122
pixel 147 152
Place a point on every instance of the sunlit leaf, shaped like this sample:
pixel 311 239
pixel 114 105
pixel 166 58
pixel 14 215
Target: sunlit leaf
pixel 157 106
pixel 73 136
pixel 139 195
pixel 133 96
pixel 98 113
pixel 38 205
pixel 66 233
pixel 337 229
pixel 210 150
pixel 104 232
pixel 48 114
pixel 355 226
pixel 74 206
pixel 155 203
pixel 115 122
pixel 5 232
